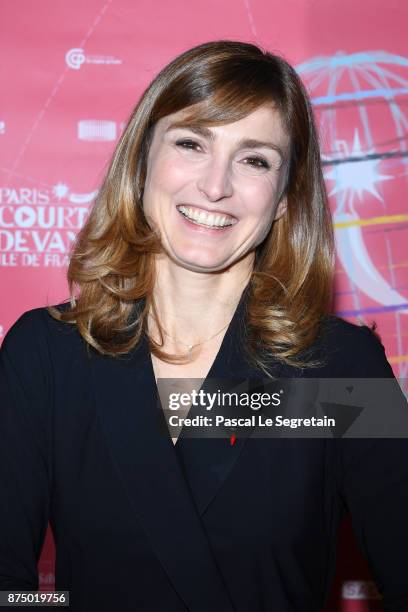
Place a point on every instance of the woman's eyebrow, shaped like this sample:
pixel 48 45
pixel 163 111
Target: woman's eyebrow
pixel 245 143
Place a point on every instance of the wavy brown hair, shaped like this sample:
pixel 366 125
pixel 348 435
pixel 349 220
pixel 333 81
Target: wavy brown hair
pixel 111 274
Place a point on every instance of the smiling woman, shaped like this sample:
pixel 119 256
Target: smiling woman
pixel 215 186
pixel 208 255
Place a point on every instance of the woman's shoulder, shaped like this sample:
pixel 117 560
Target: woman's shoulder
pixel 347 332
pixel 352 349
pixel 335 329
pixel 36 329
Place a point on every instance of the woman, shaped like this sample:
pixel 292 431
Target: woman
pixel 209 253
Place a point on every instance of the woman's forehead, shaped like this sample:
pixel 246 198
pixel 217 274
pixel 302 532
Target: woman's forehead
pixel 266 119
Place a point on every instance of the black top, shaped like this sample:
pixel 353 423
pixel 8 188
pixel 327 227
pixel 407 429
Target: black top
pixel 142 525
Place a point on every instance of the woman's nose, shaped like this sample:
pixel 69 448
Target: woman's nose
pixel 215 182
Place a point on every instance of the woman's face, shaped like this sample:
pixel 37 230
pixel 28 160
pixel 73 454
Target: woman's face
pixel 212 192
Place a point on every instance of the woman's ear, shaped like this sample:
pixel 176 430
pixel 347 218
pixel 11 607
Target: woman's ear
pixel 281 208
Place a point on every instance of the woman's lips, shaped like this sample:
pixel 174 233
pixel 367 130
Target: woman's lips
pixel 200 227
pixel 209 212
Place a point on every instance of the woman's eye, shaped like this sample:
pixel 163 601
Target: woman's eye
pixel 254 161
pixel 187 144
pixel 257 162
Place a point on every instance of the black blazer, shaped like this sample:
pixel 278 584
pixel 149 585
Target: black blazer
pixel 142 525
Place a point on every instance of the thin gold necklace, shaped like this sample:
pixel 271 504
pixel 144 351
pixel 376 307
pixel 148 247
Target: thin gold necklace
pixel 191 346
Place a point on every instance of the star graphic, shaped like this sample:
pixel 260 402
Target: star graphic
pixel 60 190
pixel 357 177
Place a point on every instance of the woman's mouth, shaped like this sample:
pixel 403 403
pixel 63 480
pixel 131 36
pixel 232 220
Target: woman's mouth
pixel 201 217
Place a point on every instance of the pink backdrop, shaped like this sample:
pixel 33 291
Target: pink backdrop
pixel 72 71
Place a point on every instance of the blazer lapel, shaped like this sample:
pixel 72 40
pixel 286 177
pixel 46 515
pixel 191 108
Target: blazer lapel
pixel 208 461
pixel 170 486
pixel 127 403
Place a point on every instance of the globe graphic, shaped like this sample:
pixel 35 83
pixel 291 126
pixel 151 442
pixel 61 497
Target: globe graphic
pixel 360 103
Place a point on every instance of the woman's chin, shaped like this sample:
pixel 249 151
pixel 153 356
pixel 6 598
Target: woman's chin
pixel 203 259
pixel 201 267
pixel 200 264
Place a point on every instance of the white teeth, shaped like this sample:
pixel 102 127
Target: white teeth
pixel 204 218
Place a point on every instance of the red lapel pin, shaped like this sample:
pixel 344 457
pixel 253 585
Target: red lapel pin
pixel 232 439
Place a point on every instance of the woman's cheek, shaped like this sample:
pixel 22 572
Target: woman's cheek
pixel 175 172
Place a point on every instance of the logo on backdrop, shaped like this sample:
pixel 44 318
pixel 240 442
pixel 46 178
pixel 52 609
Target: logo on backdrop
pixel 75 58
pixel 38 225
pixel 99 130
pixel 96 130
pixel 360 589
pixel 47 579
pixel 2 127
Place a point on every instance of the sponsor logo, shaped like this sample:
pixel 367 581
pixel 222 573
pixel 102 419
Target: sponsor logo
pixel 39 226
pixel 360 589
pixel 96 130
pixel 2 127
pixel 75 58
pixel 46 578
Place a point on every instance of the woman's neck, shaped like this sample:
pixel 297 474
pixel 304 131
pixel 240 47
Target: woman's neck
pixel 192 306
